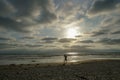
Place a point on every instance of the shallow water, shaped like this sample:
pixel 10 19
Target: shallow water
pixel 33 59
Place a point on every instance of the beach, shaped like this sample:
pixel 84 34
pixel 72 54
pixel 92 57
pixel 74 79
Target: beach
pixel 86 70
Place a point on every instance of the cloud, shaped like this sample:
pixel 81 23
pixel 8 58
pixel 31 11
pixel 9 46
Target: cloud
pixel 86 41
pixel 111 21
pixel 116 32
pixel 103 6
pixel 79 48
pixel 22 15
pixel 70 11
pixel 66 40
pixel 99 32
pixel 42 52
pixel 49 39
pixel 7 45
pixel 3 38
pixel 109 41
pixel 6 38
pixel 27 37
pixel 30 21
pixel 46 17
pixel 78 36
pixel 12 24
pixel 33 45
pixel 6 8
pixel 111 24
pixel 42 9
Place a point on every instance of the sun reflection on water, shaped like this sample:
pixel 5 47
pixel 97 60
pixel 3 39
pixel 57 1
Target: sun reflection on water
pixel 72 56
pixel 72 53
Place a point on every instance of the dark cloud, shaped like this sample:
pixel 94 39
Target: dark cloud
pixel 49 40
pixel 28 7
pixel 103 6
pixel 21 15
pixel 78 36
pixel 5 8
pixel 66 40
pixel 100 32
pixel 116 32
pixel 4 38
pixel 12 24
pixel 7 45
pixel 46 17
pixel 86 41
pixel 23 7
pixel 109 41
pixel 27 37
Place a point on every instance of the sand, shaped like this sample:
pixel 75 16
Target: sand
pixel 89 70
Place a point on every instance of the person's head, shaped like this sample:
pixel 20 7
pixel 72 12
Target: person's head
pixel 65 55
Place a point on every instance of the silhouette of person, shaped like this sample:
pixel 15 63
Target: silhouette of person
pixel 65 59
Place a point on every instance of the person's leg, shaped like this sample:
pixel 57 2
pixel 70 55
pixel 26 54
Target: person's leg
pixel 65 62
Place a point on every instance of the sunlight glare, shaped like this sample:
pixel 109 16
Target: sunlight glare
pixel 71 32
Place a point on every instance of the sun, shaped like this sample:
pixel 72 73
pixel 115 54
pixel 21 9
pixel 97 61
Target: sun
pixel 71 32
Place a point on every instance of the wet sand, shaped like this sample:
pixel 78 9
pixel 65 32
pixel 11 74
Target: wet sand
pixel 88 70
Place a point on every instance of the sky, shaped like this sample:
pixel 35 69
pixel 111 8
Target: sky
pixel 59 26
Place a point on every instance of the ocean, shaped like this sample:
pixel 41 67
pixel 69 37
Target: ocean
pixel 37 59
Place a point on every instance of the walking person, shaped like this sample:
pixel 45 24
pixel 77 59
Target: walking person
pixel 65 59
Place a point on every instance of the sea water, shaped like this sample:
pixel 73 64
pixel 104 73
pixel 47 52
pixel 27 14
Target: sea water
pixel 36 59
